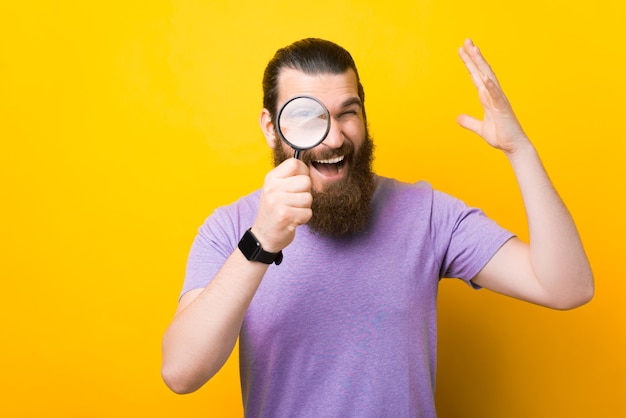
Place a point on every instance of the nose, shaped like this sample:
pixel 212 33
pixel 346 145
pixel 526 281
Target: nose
pixel 335 137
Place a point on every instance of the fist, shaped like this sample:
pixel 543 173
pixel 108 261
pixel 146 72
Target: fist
pixel 285 204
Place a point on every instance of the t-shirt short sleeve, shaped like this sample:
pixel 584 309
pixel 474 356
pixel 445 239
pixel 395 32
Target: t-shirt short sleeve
pixel 464 237
pixel 216 240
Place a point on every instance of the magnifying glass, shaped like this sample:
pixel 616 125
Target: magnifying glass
pixel 303 123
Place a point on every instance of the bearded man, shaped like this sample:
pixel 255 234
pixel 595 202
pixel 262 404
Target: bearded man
pixel 328 275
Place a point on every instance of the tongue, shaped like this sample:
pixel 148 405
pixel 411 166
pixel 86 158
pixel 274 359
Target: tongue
pixel 327 169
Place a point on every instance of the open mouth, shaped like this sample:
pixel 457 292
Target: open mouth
pixel 330 167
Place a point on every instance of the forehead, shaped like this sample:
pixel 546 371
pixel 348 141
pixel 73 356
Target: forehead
pixel 331 89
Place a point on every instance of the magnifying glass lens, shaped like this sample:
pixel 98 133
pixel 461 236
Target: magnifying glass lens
pixel 303 122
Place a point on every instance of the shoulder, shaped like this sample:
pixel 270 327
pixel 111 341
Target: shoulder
pixel 424 204
pixel 231 219
pixel 242 207
pixel 418 195
pixel 384 184
pixel 393 190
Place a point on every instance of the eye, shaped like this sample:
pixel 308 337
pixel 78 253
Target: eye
pixel 349 113
pixel 303 114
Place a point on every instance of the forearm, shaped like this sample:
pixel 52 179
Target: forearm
pixel 557 255
pixel 205 329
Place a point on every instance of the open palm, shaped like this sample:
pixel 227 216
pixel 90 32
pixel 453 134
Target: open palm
pixel 499 127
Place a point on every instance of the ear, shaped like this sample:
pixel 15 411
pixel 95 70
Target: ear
pixel 265 120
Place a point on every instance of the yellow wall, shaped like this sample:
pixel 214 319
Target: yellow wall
pixel 123 124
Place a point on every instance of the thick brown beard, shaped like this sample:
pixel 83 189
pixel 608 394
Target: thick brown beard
pixel 342 208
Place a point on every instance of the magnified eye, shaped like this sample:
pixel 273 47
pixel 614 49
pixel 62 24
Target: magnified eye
pixel 303 122
pixel 305 113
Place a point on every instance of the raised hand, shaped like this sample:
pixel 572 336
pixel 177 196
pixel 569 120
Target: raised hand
pixel 499 127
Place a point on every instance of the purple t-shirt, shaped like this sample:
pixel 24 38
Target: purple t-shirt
pixel 347 327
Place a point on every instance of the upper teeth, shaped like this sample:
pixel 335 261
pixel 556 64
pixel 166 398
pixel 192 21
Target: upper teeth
pixel 331 161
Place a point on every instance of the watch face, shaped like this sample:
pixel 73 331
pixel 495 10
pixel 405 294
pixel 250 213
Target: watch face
pixel 249 246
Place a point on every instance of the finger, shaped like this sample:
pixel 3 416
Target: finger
pixel 290 216
pixel 289 176
pixel 496 95
pixel 289 191
pixel 470 123
pixel 298 200
pixel 472 68
pixel 295 184
pixel 302 215
pixel 290 167
pixel 479 60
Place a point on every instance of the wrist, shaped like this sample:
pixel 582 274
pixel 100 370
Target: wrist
pixel 265 239
pixel 523 149
pixel 253 250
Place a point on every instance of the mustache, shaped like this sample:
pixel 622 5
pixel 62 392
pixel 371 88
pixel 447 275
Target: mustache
pixel 309 156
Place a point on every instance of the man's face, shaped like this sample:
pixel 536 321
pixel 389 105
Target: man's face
pixel 340 167
pixel 332 160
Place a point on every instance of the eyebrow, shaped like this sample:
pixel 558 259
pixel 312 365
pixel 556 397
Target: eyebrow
pixel 352 101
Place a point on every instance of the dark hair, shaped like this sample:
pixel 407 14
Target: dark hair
pixel 311 56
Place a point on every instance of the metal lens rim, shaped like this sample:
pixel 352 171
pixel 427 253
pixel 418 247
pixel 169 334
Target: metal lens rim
pixel 280 112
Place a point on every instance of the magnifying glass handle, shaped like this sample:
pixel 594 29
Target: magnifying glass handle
pixel 296 154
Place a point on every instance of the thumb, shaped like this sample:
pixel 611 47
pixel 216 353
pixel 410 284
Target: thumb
pixel 470 123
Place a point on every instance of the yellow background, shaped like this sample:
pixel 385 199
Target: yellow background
pixel 124 123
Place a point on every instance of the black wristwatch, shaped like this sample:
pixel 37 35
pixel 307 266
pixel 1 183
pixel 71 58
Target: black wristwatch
pixel 251 248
